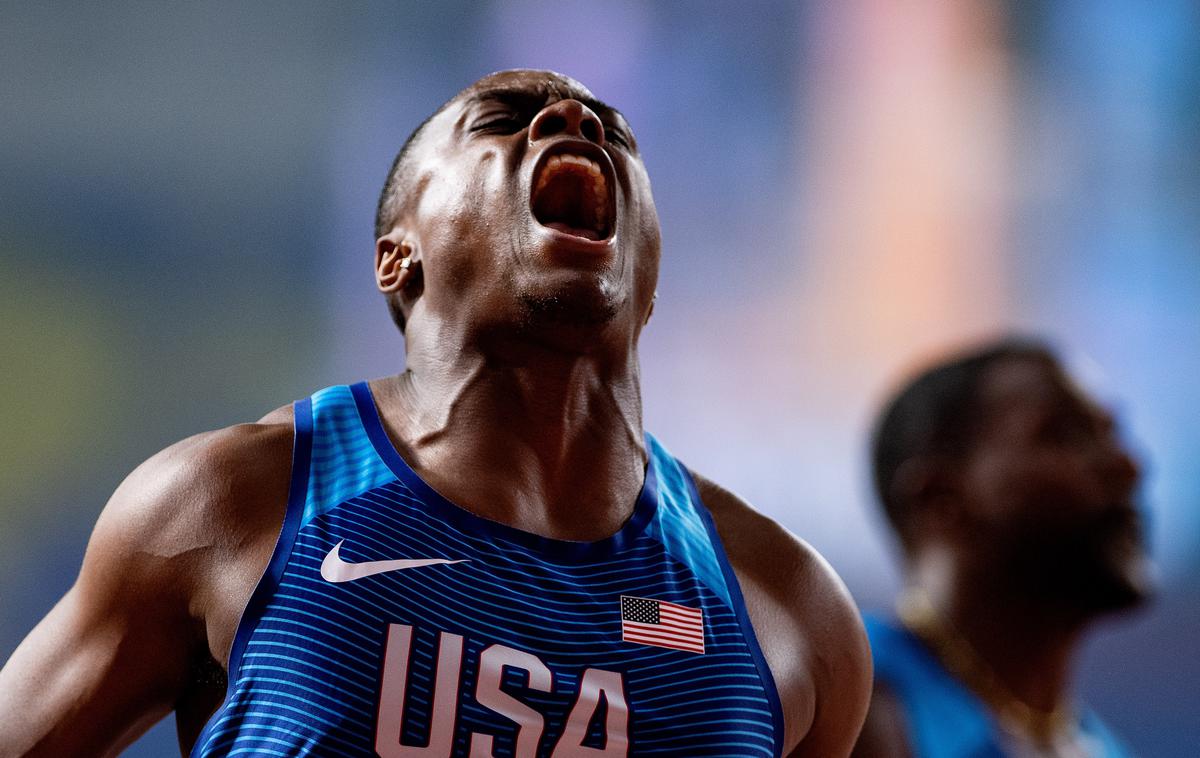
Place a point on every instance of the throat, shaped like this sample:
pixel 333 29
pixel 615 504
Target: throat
pixel 1019 665
pixel 561 461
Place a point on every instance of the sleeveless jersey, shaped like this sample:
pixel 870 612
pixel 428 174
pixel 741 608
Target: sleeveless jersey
pixel 392 622
pixel 943 718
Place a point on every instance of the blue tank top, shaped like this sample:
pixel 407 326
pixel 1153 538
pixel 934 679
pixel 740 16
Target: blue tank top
pixel 944 719
pixel 391 622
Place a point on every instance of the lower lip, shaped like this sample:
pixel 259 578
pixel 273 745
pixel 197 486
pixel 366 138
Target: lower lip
pixel 580 243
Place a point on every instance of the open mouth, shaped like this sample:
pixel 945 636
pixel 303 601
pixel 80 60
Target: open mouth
pixel 571 195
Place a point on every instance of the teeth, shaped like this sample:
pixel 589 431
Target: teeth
pixel 569 162
pixel 597 184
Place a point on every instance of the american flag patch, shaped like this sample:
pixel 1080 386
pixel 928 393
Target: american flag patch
pixel 662 624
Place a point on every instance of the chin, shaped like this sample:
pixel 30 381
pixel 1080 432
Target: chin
pixel 1113 595
pixel 579 304
pixel 1088 577
pixel 1118 578
pixel 1122 559
pixel 1130 580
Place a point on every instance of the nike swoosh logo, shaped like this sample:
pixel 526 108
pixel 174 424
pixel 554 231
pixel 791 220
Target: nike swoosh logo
pixel 334 569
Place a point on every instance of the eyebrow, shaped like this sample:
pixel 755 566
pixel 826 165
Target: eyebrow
pixel 524 98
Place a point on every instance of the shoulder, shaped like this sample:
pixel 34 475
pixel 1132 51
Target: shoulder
pixel 156 574
pixel 782 563
pixel 805 620
pixel 186 509
pixel 197 480
pixel 783 569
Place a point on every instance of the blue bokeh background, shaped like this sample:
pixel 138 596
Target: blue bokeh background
pixel 186 200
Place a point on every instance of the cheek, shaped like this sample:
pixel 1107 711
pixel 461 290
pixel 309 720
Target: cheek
pixel 467 212
pixel 1046 488
pixel 649 249
pixel 639 203
pixel 468 190
pixel 643 233
pixel 488 180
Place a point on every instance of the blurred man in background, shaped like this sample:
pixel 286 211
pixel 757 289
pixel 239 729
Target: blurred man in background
pixel 1013 500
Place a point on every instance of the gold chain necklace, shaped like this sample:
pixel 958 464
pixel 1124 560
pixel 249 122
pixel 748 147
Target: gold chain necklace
pixel 919 615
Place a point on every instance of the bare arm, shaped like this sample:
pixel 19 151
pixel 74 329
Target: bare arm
pixel 806 623
pixel 115 654
pixel 884 734
pixel 841 663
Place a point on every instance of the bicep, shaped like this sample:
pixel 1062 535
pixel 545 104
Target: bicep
pixel 815 643
pixel 81 682
pixel 112 656
pixel 884 734
pixel 842 673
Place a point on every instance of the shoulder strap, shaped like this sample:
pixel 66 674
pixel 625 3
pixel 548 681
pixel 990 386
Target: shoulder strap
pixel 680 522
pixel 686 529
pixel 1108 746
pixel 344 462
pixel 944 719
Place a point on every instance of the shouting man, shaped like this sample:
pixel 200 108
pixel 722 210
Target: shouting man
pixel 482 556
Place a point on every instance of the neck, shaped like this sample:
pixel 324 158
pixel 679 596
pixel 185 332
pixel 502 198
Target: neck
pixel 1025 645
pixel 542 440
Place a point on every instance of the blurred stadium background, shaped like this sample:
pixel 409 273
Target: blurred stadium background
pixel 845 187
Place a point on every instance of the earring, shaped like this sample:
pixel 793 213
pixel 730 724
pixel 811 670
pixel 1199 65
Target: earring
pixel 405 262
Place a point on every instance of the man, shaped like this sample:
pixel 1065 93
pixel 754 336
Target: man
pixel 1013 500
pixel 481 556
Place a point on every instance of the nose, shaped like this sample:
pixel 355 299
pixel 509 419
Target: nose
pixel 1123 466
pixel 569 118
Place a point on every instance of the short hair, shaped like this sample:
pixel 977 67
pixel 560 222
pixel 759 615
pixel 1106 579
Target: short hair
pixel 393 197
pixel 935 414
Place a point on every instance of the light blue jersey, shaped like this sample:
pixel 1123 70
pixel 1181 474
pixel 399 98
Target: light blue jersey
pixel 944 719
pixel 391 622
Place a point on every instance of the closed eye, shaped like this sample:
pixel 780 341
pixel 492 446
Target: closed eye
pixel 616 136
pixel 507 124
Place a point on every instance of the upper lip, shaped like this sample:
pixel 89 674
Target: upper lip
pixel 1123 514
pixel 587 149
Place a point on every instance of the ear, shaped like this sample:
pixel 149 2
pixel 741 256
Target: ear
pixel 394 262
pixel 650 312
pixel 933 488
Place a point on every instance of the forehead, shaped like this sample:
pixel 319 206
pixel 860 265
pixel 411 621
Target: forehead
pixel 528 90
pixel 1024 386
pixel 547 85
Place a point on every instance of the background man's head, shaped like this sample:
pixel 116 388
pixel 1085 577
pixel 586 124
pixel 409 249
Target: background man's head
pixel 522 201
pixel 999 460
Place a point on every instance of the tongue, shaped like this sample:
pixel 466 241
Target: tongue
pixel 590 234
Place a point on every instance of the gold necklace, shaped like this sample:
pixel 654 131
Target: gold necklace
pixel 918 614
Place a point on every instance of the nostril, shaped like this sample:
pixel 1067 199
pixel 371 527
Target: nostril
pixel 590 130
pixel 551 124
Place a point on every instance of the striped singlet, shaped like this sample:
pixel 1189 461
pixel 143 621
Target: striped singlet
pixel 391 622
pixel 944 718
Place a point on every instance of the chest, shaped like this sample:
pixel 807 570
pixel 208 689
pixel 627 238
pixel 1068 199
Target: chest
pixel 393 636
